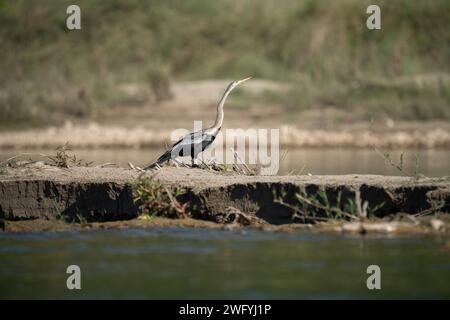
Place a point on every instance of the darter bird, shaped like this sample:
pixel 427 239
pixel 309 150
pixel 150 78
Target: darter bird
pixel 194 143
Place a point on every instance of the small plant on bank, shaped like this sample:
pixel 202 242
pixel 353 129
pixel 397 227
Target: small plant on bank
pixel 318 207
pixel 399 165
pixel 65 158
pixel 77 217
pixel 444 179
pixel 155 199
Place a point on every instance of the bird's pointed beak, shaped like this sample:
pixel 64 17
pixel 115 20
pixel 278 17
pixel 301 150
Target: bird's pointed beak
pixel 243 80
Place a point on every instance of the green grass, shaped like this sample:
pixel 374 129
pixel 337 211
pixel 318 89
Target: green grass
pixel 154 199
pixel 322 47
pixel 330 205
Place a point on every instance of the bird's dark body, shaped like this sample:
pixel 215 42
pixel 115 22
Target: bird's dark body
pixel 196 148
pixel 191 145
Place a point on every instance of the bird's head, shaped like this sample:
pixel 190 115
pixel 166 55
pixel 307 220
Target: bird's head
pixel 235 83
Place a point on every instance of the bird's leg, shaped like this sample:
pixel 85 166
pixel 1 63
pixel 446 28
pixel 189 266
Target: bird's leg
pixel 194 162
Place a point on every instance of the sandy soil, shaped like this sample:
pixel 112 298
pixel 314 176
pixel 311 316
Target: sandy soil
pixel 200 178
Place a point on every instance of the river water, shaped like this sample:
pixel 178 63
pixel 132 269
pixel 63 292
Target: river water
pixel 320 161
pixel 201 263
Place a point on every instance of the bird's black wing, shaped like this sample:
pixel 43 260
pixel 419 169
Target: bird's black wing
pixel 190 145
pixel 208 139
pixel 193 143
pixel 193 137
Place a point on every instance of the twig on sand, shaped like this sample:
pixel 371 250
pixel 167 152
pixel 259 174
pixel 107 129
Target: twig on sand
pixel 181 163
pixel 236 155
pixel 299 214
pixel 179 208
pixel 234 215
pixel 107 164
pixel 175 163
pixel 435 207
pixel 133 167
pixel 7 161
pixel 205 164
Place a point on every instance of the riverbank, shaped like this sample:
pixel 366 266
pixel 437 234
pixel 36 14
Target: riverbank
pixel 43 197
pixel 429 226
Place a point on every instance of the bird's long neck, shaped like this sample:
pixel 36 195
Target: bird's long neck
pixel 220 114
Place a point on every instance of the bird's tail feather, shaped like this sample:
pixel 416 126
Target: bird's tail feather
pixel 161 160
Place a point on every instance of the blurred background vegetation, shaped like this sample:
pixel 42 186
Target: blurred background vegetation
pixel 322 49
